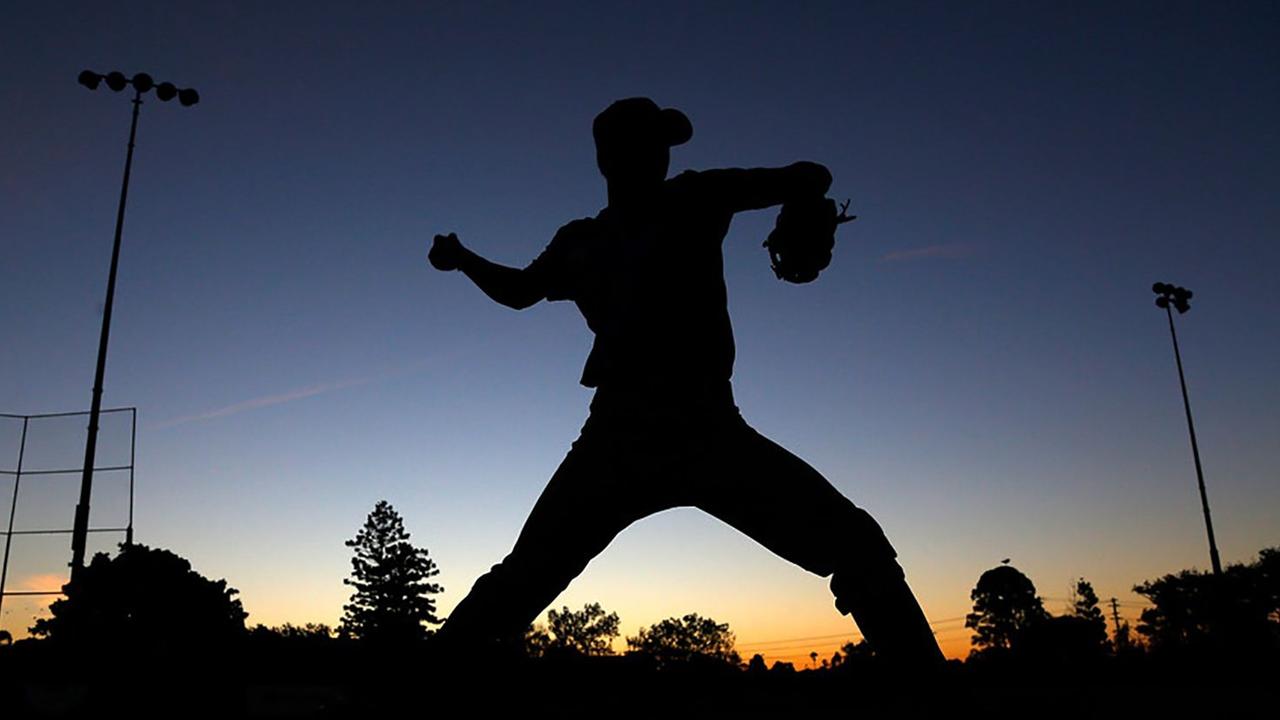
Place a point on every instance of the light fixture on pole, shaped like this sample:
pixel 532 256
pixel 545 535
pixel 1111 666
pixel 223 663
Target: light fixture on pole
pixel 1171 297
pixel 142 83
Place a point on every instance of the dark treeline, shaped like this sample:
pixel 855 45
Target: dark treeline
pixel 144 631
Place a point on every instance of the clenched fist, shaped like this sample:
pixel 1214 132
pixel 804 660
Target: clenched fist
pixel 446 252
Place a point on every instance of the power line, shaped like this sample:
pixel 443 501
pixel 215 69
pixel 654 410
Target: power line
pixel 1127 602
pixel 758 643
pixel 790 640
pixel 784 649
pixel 791 647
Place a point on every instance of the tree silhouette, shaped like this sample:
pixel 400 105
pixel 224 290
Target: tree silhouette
pixel 687 640
pixel 392 596
pixel 310 632
pixel 145 598
pixel 1005 606
pixel 589 631
pixel 852 656
pixel 1125 644
pixel 1093 624
pixel 1236 614
pixel 1084 602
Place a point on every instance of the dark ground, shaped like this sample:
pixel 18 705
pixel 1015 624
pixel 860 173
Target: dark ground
pixel 332 681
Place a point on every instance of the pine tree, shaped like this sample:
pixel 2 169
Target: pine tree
pixel 392 596
pixel 1085 603
pixel 1086 608
pixel 1090 634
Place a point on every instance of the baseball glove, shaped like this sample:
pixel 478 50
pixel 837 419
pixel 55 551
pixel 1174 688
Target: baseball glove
pixel 803 237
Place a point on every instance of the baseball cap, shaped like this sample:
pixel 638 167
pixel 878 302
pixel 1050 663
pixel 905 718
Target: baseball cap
pixel 636 118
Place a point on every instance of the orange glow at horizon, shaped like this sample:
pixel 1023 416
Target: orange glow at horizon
pixel 21 611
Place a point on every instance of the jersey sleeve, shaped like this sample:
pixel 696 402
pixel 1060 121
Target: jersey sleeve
pixel 557 270
pixel 735 190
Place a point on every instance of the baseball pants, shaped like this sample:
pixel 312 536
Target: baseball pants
pixel 633 459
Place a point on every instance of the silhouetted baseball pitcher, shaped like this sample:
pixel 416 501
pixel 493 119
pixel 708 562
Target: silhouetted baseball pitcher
pixel 663 431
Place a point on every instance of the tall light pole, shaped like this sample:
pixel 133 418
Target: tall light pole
pixel 1170 297
pixel 166 91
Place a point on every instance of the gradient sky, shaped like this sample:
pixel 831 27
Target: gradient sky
pixel 981 367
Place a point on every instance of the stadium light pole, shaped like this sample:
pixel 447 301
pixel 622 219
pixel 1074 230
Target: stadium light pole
pixel 1170 297
pixel 141 83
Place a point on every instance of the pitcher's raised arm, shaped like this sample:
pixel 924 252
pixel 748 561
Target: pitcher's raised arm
pixel 513 287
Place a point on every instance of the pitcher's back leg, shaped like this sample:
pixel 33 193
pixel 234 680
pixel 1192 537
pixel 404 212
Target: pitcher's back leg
pixel 782 502
pixel 590 499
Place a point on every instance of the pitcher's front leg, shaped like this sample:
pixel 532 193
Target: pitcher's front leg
pixel 783 503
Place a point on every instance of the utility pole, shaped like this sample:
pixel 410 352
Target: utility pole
pixel 1122 642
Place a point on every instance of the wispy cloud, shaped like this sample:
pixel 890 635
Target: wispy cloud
pixel 306 392
pixel 268 400
pixel 930 252
pixel 43 582
pixel 32 607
